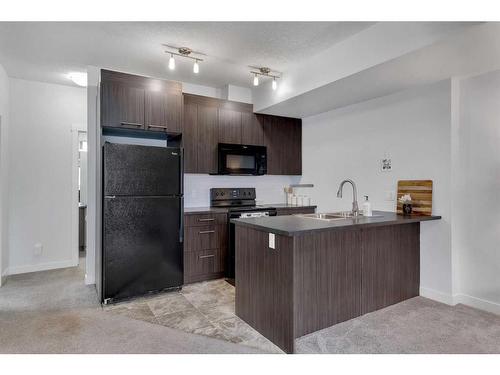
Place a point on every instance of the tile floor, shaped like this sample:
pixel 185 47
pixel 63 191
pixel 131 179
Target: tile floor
pixel 205 308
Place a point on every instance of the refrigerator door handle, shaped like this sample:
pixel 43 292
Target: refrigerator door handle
pixel 181 171
pixel 181 227
pixel 110 196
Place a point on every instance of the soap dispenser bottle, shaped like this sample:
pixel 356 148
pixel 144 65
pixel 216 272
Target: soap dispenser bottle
pixel 367 207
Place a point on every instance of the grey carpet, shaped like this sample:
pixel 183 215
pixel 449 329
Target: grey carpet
pixel 95 331
pixel 55 312
pixel 418 325
pixel 48 290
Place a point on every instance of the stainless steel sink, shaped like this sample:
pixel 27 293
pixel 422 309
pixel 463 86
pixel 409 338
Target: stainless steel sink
pixel 334 216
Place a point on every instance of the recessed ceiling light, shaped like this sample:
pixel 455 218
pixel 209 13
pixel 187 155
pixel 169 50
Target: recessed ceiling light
pixel 78 78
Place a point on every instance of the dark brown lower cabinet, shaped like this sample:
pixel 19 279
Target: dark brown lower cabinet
pixel 205 246
pixel 313 281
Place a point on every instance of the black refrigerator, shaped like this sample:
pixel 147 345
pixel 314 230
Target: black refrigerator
pixel 142 220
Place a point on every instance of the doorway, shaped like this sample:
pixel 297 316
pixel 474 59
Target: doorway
pixel 80 196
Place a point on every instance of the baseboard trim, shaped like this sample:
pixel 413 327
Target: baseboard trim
pixel 437 296
pixel 478 303
pixel 41 267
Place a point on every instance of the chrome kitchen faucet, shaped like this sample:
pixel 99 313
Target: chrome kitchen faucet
pixel 355 209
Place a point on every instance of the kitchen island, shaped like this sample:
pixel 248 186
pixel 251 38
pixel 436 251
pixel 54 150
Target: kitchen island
pixel 319 273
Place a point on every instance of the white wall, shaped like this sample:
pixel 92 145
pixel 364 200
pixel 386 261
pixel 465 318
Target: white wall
pixel 4 121
pixel 236 93
pixel 413 127
pixel 40 172
pixel 477 228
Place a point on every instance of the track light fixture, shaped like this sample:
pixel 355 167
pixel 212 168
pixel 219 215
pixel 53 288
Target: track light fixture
pixel 183 52
pixel 265 72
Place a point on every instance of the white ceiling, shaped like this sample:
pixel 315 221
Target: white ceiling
pixel 47 51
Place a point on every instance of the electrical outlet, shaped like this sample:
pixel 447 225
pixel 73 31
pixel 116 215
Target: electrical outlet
pixel 272 241
pixel 37 251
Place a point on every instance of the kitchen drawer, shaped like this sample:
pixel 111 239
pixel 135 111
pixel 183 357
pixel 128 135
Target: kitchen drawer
pixel 202 238
pixel 202 265
pixel 295 210
pixel 199 220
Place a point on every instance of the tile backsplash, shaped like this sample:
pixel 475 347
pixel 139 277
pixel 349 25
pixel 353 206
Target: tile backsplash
pixel 269 189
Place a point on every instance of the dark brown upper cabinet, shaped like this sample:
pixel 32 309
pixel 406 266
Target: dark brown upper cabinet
pixel 207 139
pixel 209 121
pixel 283 139
pixel 229 126
pixel 134 102
pixel 252 132
pixel 200 134
pixel 190 136
pixel 122 105
pixel 164 111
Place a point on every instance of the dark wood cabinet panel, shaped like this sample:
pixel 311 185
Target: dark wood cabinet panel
pixel 229 126
pixel 252 132
pixel 198 220
pixel 201 238
pixel 391 265
pixel 156 111
pixel 264 285
pixel 135 102
pixel 327 284
pixel 294 210
pixel 202 265
pixel 205 246
pixel 207 139
pixel 190 138
pixel 283 139
pixel 292 145
pixel 175 113
pixel 122 105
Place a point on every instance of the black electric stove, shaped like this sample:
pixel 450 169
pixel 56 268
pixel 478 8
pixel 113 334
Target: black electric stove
pixel 241 203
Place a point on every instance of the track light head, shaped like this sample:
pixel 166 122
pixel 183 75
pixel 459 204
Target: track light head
pixel 171 62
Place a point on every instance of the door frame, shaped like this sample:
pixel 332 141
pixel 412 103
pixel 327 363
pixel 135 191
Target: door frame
pixel 75 248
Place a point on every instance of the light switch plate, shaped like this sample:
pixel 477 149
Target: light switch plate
pixel 272 241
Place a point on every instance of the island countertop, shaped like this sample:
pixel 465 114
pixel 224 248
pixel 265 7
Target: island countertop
pixel 295 225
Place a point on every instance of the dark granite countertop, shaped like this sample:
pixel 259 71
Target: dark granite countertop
pixel 218 210
pixel 293 225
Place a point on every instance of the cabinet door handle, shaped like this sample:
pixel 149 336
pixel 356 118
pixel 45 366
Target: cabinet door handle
pixel 157 126
pixel 130 123
pixel 212 219
pixel 207 256
pixel 206 231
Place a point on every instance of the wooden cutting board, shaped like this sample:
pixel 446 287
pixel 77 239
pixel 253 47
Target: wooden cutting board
pixel 421 196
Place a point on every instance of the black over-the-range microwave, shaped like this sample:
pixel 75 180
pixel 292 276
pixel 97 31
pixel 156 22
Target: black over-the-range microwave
pixel 237 159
